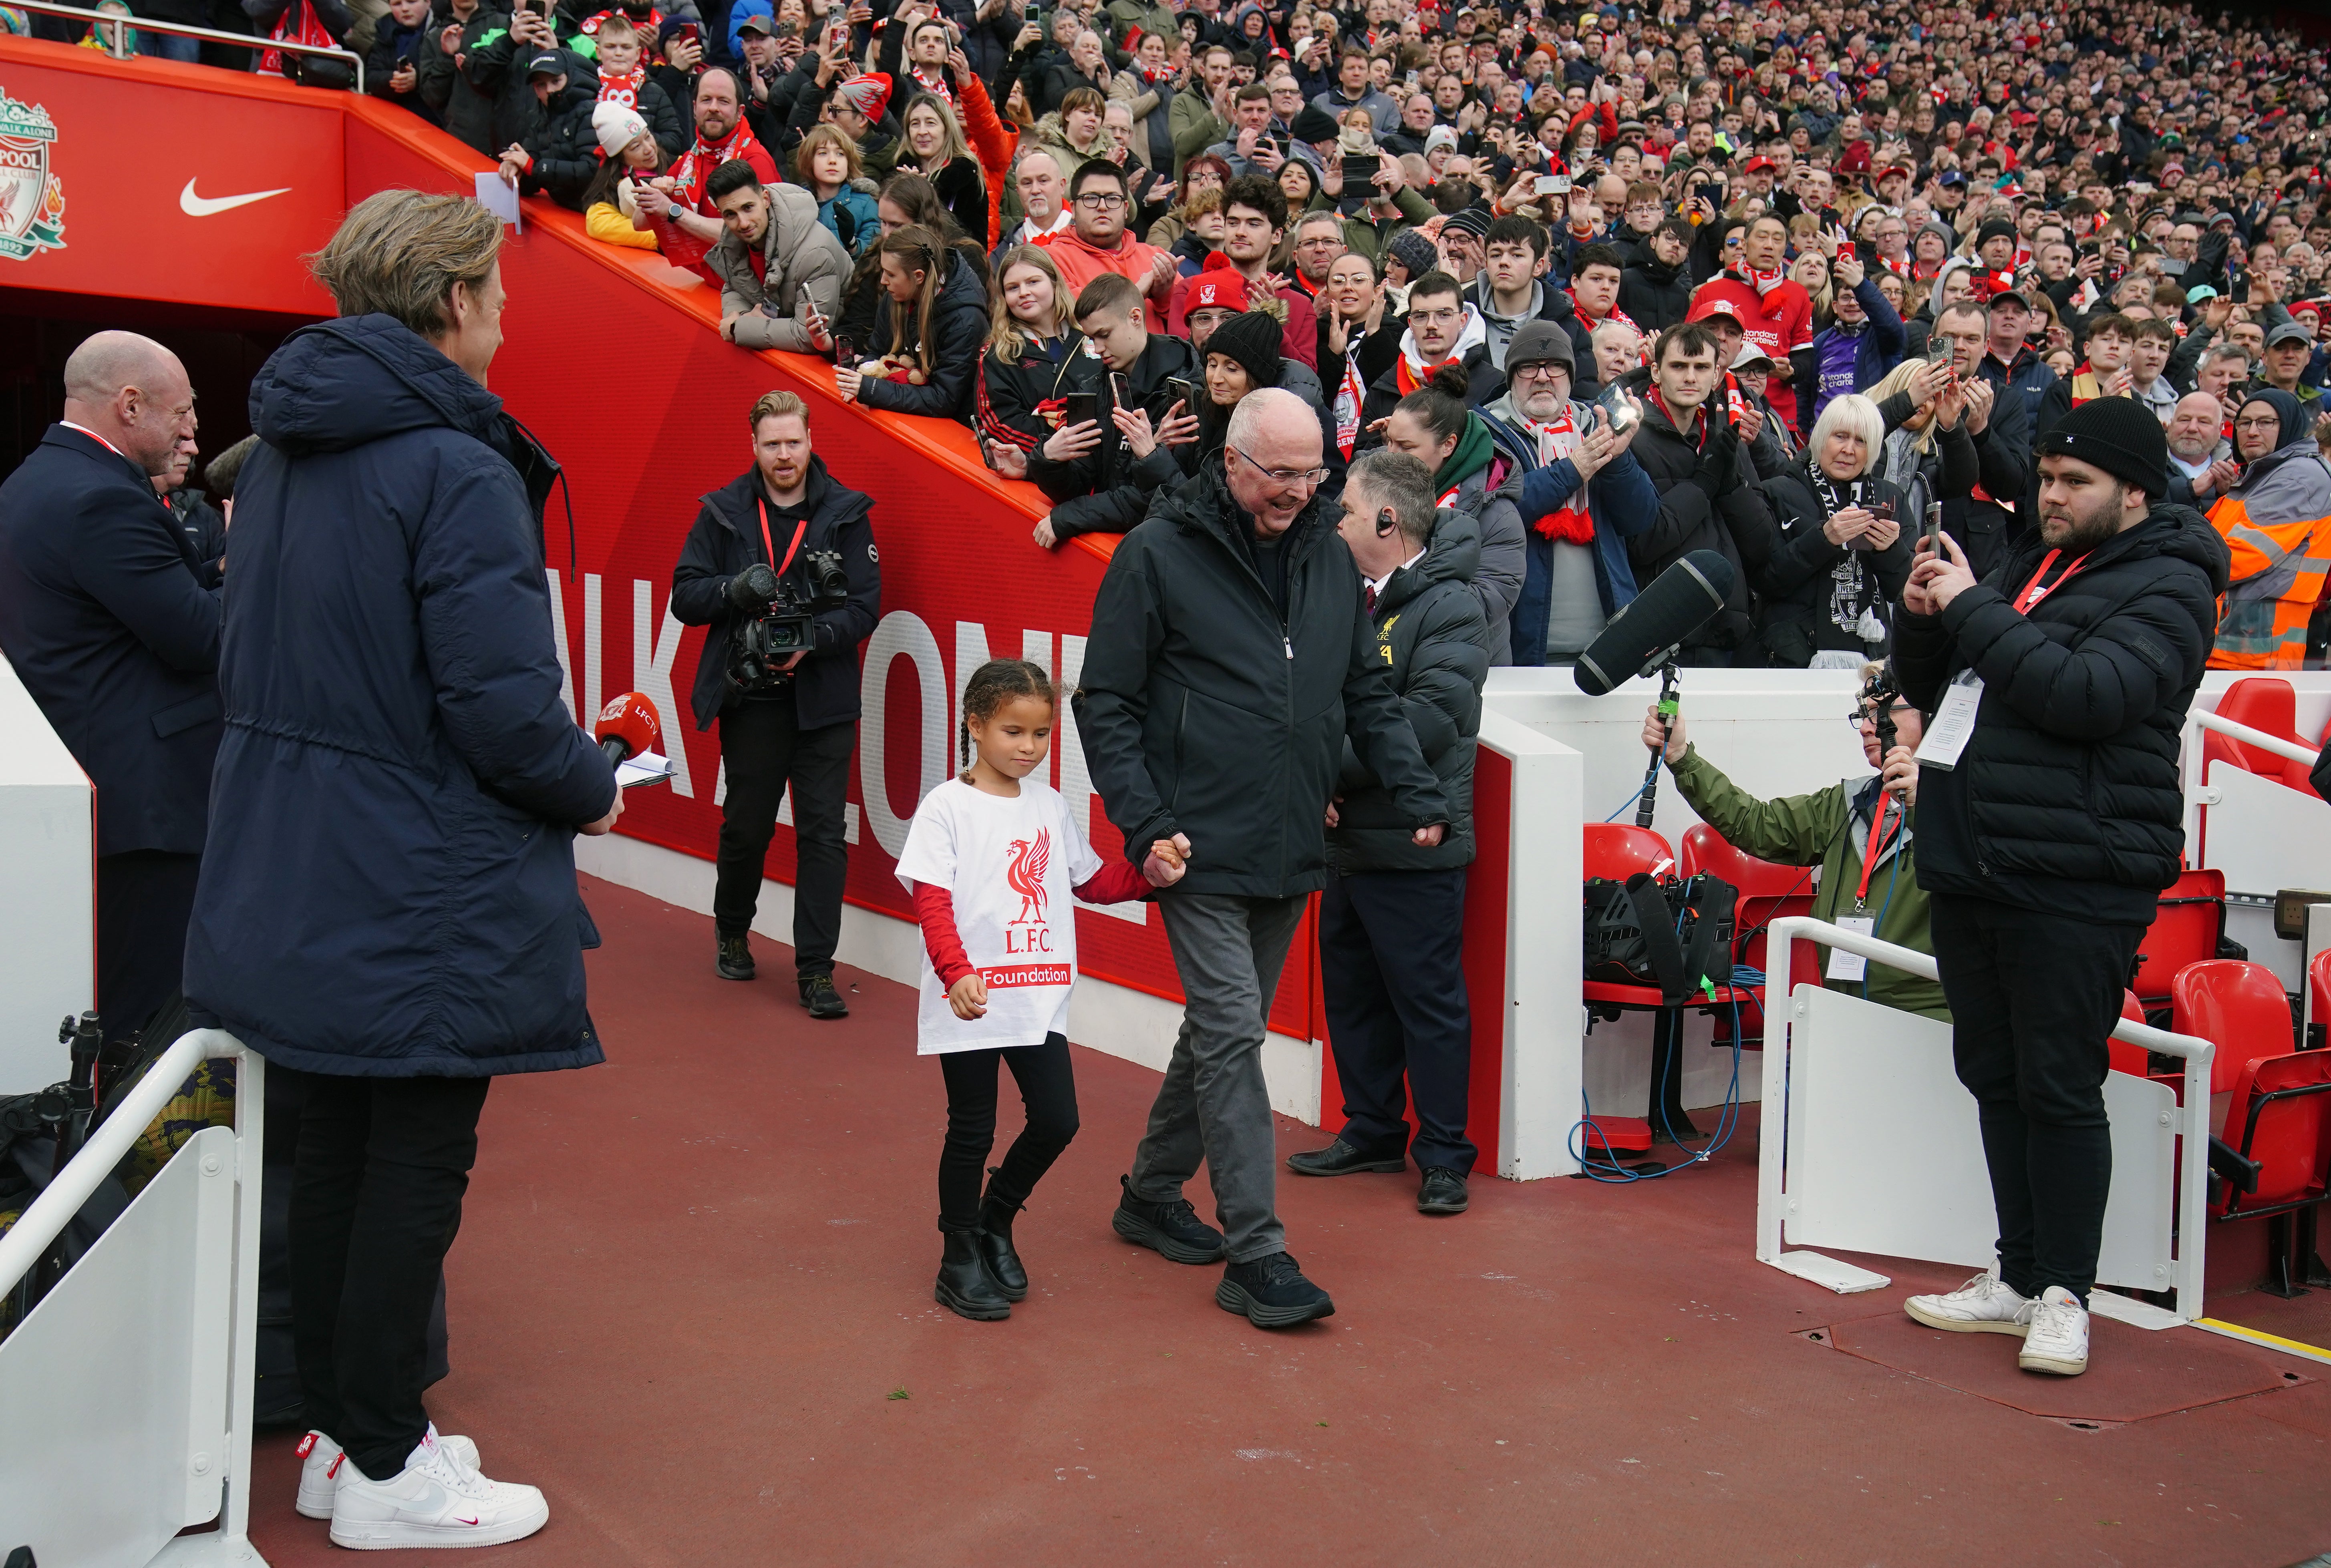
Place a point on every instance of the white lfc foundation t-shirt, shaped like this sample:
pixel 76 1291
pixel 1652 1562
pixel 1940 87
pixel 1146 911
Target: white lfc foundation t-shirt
pixel 1009 865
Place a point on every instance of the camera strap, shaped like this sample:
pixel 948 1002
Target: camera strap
pixel 768 542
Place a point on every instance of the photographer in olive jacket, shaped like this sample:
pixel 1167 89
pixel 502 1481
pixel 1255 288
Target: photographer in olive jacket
pixel 783 530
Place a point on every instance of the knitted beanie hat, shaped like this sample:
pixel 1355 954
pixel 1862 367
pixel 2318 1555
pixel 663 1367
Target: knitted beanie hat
pixel 1253 340
pixel 2117 435
pixel 869 94
pixel 616 127
pixel 1415 252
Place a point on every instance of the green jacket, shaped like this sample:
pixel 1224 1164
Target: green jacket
pixel 1826 828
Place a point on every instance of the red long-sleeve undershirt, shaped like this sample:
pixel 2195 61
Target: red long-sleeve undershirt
pixel 1118 882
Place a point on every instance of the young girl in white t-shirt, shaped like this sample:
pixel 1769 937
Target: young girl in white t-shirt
pixel 991 862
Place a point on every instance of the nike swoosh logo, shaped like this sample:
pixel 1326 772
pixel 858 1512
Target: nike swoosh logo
pixel 196 206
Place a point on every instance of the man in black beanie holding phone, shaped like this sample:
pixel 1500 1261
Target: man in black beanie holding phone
pixel 2048 819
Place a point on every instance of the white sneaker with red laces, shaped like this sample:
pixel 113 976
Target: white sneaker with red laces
pixel 436 1500
pixel 1985 1304
pixel 321 1467
pixel 2059 1340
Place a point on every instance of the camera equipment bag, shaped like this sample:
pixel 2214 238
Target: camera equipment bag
pixel 1674 933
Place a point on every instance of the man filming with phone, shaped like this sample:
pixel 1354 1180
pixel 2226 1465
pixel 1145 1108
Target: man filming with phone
pixel 782 568
pixel 2049 821
pixel 780 270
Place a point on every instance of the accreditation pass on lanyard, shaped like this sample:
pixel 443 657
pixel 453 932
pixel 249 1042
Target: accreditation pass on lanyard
pixel 1954 723
pixel 1844 966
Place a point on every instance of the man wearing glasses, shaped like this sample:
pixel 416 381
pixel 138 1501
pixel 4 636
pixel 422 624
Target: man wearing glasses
pixel 1868 879
pixel 1232 659
pixel 1095 241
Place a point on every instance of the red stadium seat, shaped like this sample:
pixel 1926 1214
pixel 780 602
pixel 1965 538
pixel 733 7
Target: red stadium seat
pixel 2264 703
pixel 2318 993
pixel 1615 851
pixel 2186 927
pixel 2132 1059
pixel 2238 1007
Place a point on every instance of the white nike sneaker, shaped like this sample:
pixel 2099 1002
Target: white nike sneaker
pixel 1984 1304
pixel 320 1469
pixel 2059 1340
pixel 436 1500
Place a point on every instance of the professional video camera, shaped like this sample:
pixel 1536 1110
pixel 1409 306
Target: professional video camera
pixel 777 622
pixel 1878 694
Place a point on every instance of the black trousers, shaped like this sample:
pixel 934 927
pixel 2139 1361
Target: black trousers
pixel 377 1190
pixel 763 748
pixel 1048 1089
pixel 1390 969
pixel 144 899
pixel 2033 998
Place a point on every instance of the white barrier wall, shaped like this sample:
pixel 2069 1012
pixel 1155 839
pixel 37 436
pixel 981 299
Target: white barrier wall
pixel 48 910
pixel 2261 835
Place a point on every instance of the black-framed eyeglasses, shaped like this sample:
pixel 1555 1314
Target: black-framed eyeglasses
pixel 1287 478
pixel 1861 715
pixel 1101 201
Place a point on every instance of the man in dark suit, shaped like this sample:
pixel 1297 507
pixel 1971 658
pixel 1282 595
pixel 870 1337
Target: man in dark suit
pixel 104 615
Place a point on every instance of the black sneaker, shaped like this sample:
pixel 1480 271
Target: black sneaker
pixel 1444 1191
pixel 1272 1293
pixel 1340 1159
pixel 734 958
pixel 818 994
pixel 1171 1229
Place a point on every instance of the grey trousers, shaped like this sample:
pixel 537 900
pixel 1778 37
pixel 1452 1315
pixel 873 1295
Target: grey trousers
pixel 1229 951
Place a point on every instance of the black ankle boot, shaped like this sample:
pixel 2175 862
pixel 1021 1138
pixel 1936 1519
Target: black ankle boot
pixel 964 1287
pixel 996 1249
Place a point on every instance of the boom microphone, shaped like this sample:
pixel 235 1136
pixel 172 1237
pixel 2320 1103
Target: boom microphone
pixel 627 726
pixel 1680 601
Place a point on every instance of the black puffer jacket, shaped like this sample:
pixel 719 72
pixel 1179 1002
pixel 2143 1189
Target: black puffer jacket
pixel 958 328
pixel 1428 630
pixel 1804 597
pixel 1737 524
pixel 2066 797
pixel 727 538
pixel 1205 711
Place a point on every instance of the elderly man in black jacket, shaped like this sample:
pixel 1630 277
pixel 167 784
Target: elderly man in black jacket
pixel 793 717
pixel 1392 920
pixel 2049 821
pixel 107 615
pixel 1231 658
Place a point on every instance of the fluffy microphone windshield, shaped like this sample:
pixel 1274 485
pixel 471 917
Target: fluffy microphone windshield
pixel 1680 601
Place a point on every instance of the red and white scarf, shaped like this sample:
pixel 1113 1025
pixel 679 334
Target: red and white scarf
pixel 1412 372
pixel 1762 282
pixel 696 164
pixel 1557 439
pixel 298 24
pixel 1621 317
pixel 1351 392
pixel 939 85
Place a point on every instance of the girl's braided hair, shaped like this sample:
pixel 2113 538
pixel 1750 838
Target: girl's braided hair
pixel 994 684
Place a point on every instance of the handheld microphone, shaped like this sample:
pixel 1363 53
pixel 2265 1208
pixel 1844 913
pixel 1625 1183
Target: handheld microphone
pixel 1680 601
pixel 627 726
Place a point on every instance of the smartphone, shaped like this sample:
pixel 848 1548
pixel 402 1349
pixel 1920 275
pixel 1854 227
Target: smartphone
pixel 1712 194
pixel 1120 391
pixel 687 30
pixel 1931 539
pixel 1079 408
pixel 1179 389
pixel 1360 169
pixel 1876 508
pixel 846 348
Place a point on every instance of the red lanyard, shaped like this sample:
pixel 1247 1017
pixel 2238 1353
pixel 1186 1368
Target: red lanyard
pixel 769 545
pixel 2033 593
pixel 1877 847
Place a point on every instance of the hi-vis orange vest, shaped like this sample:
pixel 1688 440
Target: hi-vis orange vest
pixel 2277 523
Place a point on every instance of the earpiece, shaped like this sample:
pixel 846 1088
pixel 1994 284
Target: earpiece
pixel 1385 521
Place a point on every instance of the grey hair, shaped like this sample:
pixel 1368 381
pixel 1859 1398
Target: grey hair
pixel 2228 350
pixel 1857 415
pixel 1397 480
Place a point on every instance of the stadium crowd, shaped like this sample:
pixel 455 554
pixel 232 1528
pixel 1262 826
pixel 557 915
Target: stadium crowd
pixel 1974 222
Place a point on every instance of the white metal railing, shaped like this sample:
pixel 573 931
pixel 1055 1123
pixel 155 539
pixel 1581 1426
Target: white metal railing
pixel 115 33
pixel 1782 1007
pixel 2257 737
pixel 126 1394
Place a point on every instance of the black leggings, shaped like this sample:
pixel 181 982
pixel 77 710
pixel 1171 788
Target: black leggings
pixel 1047 1087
